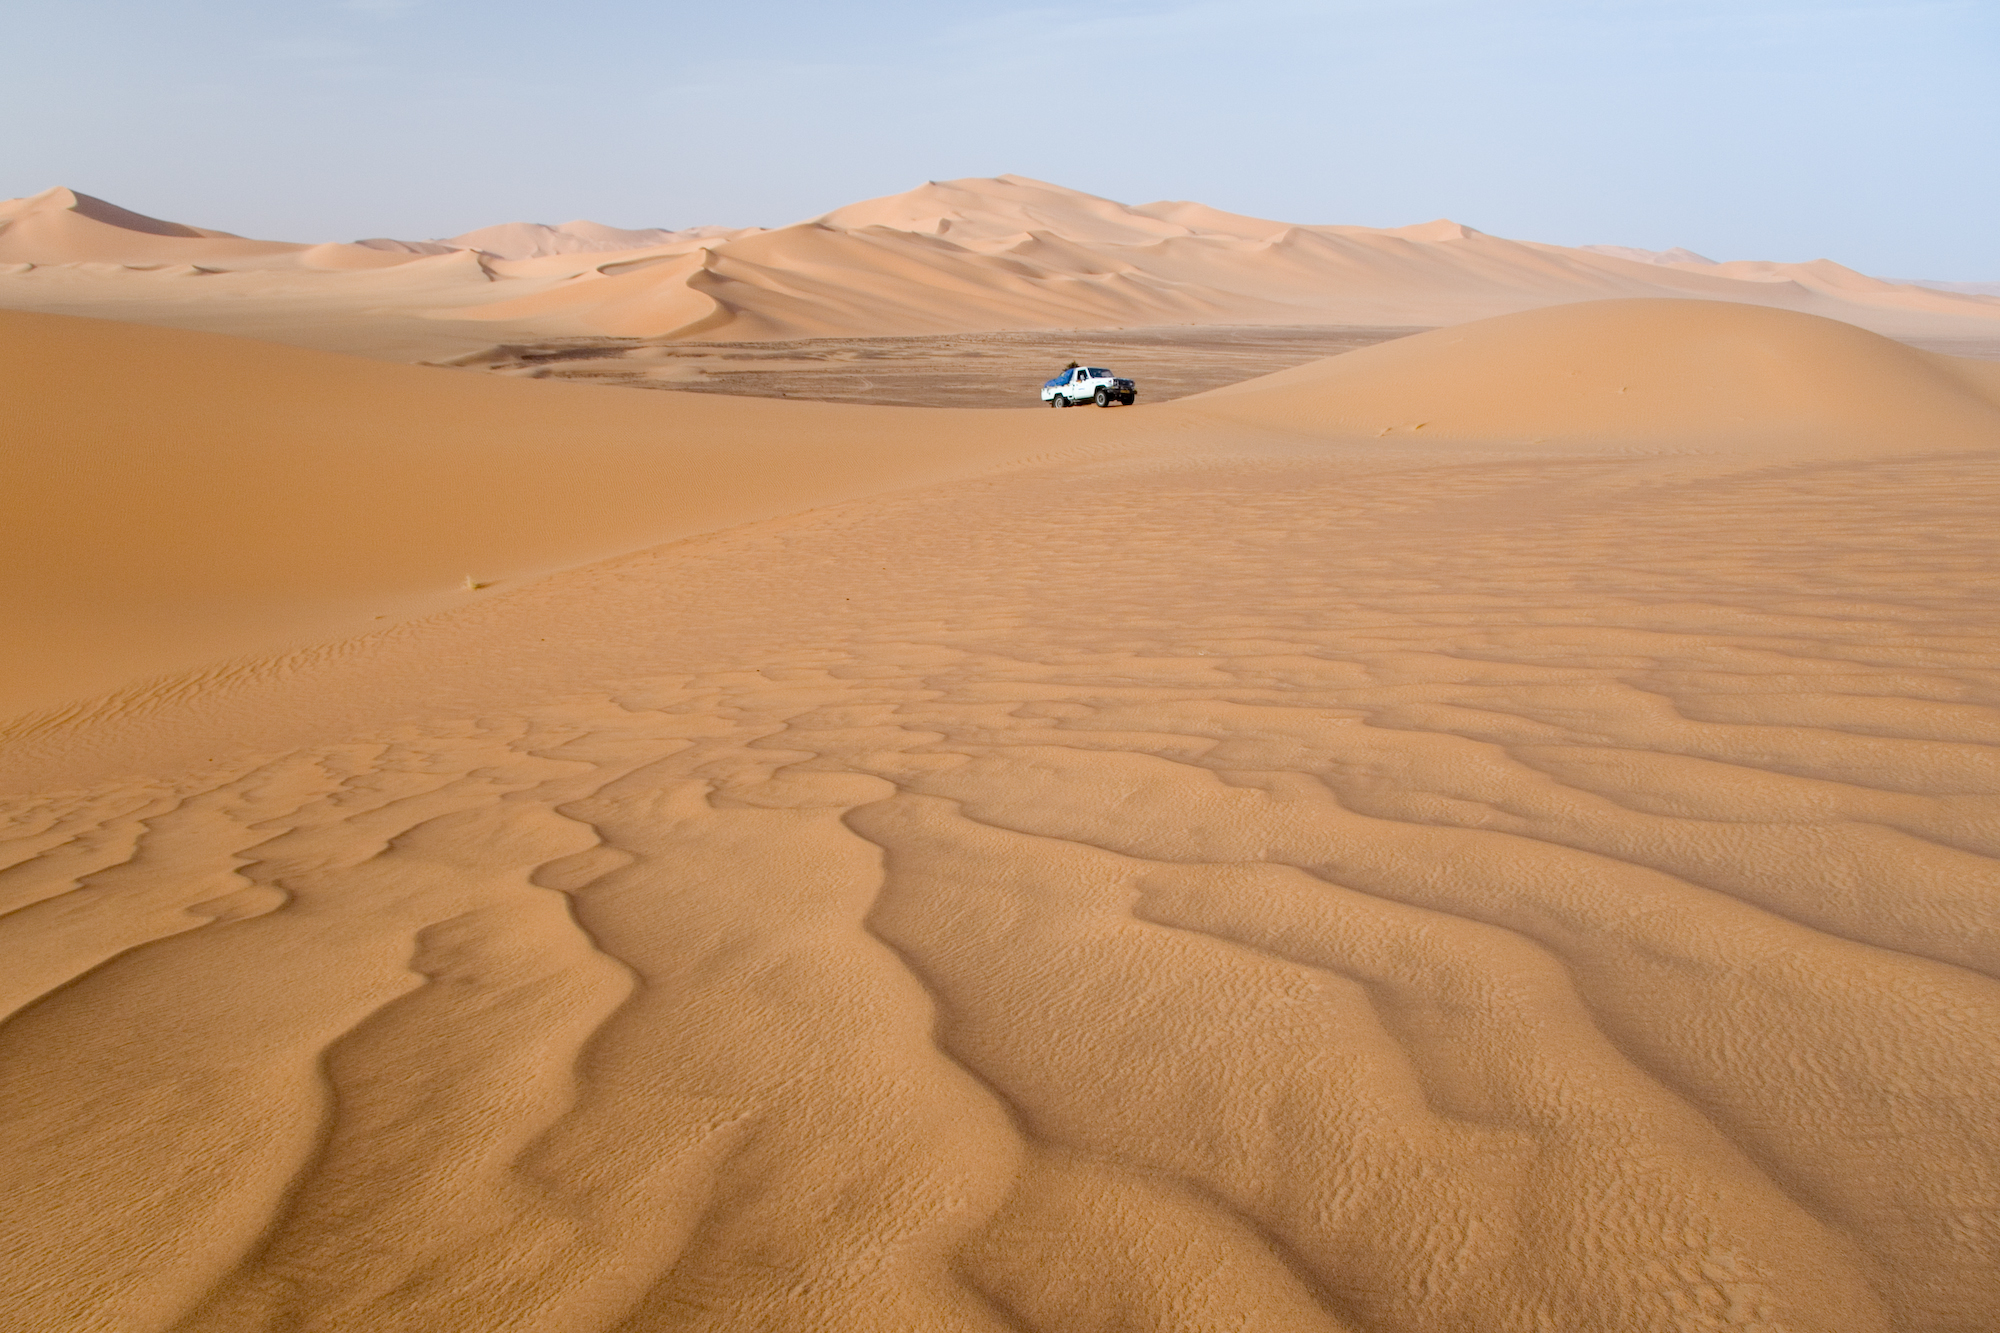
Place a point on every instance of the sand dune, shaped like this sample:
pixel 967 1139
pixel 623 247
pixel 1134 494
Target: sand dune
pixel 535 240
pixel 266 497
pixel 1963 288
pixel 1006 253
pixel 1204 866
pixel 1014 253
pixel 1639 375
pixel 62 227
pixel 176 498
pixel 1678 255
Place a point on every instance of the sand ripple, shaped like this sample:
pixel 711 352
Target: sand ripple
pixel 1499 895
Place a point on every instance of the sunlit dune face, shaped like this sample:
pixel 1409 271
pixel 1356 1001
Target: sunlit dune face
pixel 974 255
pixel 1219 864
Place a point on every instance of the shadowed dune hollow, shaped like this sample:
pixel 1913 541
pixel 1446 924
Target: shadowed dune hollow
pixel 1492 831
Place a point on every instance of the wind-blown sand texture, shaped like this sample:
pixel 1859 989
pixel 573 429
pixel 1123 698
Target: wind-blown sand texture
pixel 949 257
pixel 1492 831
pixel 175 498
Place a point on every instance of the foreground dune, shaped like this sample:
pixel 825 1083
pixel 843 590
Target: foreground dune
pixel 176 498
pixel 1218 867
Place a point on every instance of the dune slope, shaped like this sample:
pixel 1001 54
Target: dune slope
pixel 64 226
pixel 1264 878
pixel 176 498
pixel 1012 253
pixel 1646 374
pixel 1005 253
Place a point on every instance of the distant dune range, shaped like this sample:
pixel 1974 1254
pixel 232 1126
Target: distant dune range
pixel 1495 830
pixel 958 256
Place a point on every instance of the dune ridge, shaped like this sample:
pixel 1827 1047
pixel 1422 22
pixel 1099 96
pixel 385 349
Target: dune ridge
pixel 61 226
pixel 1006 253
pixel 535 240
pixel 1212 865
pixel 1648 374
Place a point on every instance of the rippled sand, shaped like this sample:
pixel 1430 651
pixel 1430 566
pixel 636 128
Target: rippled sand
pixel 1264 884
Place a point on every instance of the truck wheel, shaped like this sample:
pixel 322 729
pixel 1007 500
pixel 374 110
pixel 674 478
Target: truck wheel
pixel 1103 398
pixel 1058 401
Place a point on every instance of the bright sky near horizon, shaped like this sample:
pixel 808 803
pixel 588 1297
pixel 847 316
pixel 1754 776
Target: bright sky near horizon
pixel 1743 129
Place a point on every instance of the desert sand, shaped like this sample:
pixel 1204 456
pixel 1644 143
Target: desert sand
pixel 1494 830
pixel 947 258
pixel 940 369
pixel 178 498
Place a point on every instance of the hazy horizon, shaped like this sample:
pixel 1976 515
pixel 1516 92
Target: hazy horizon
pixel 1758 131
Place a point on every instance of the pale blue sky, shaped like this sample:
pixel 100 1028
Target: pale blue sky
pixel 1868 133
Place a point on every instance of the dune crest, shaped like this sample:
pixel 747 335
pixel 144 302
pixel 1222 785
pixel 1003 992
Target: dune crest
pixel 1006 253
pixel 1650 375
pixel 63 199
pixel 62 226
pixel 1018 253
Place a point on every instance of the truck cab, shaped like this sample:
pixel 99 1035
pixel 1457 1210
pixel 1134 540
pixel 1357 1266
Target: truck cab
pixel 1088 384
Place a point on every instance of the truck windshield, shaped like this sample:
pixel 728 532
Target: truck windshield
pixel 1096 374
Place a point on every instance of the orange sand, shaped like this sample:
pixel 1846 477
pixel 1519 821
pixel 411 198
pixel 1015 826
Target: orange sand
pixel 947 257
pixel 1245 863
pixel 243 497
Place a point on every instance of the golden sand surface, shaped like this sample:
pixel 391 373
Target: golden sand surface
pixel 175 497
pixel 947 258
pixel 1491 831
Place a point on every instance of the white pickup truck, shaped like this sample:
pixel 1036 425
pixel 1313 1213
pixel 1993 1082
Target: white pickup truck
pixel 1087 384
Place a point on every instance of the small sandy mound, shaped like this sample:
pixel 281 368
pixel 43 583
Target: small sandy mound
pixel 1649 374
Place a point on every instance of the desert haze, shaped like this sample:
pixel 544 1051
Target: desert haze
pixel 1492 831
pixel 949 257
